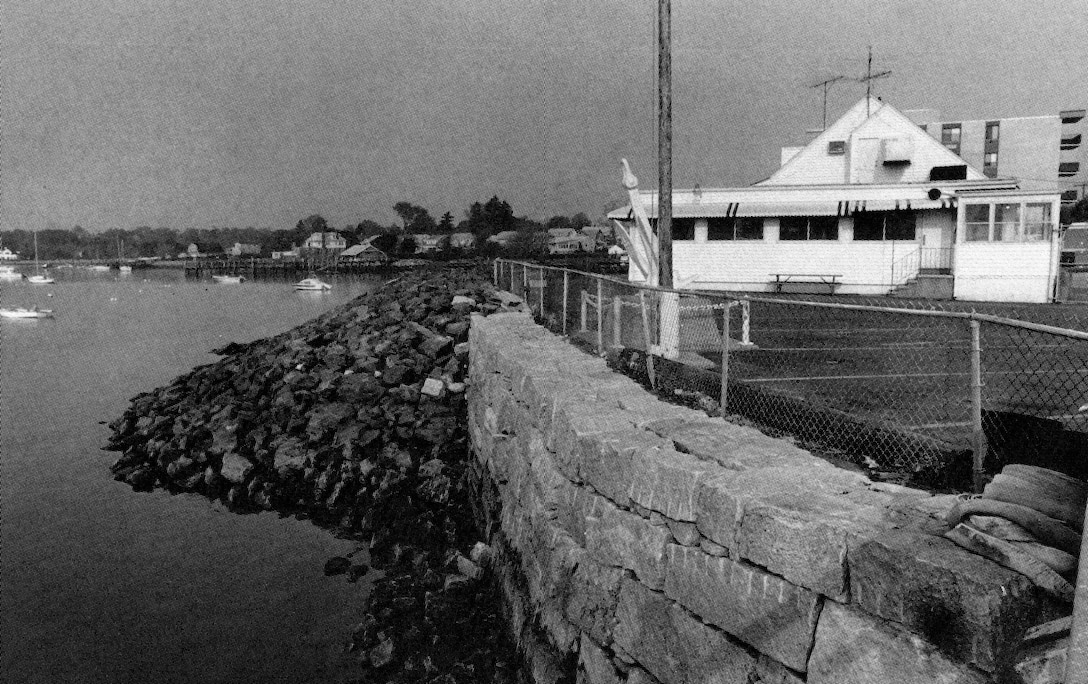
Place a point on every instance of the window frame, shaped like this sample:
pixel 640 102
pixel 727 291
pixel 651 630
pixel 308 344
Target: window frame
pixel 808 228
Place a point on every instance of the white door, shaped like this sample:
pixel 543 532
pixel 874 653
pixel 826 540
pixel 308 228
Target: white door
pixel 936 230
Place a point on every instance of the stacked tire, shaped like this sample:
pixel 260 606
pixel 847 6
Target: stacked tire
pixel 1028 519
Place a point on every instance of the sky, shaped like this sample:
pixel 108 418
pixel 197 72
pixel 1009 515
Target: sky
pixel 201 113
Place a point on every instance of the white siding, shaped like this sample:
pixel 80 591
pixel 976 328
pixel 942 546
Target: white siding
pixel 1004 272
pixel 865 267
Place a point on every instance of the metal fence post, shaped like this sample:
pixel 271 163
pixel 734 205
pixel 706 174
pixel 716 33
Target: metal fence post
pixel 724 400
pixel 540 283
pixel 745 322
pixel 617 321
pixel 566 286
pixel 646 338
pixel 600 316
pixel 495 272
pixel 525 282
pixel 978 435
pixel 584 313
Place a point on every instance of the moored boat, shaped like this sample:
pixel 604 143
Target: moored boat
pixel 228 279
pixel 313 285
pixel 23 312
pixel 9 273
pixel 40 280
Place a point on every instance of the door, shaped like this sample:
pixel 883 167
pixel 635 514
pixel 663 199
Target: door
pixel 936 239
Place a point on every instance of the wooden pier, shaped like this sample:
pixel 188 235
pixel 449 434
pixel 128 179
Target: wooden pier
pixel 274 268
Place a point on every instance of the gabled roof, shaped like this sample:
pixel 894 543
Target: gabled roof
pixel 863 130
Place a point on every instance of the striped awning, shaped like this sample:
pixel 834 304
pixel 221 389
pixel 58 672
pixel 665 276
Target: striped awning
pixel 800 208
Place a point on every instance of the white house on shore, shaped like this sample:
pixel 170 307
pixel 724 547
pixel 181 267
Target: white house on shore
pixel 872 206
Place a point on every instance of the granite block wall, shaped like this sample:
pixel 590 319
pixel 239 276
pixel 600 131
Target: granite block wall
pixel 640 541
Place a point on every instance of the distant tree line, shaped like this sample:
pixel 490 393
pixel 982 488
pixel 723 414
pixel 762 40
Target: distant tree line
pixel 482 220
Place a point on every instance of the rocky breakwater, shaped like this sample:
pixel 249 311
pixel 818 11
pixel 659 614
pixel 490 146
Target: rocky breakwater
pixel 358 420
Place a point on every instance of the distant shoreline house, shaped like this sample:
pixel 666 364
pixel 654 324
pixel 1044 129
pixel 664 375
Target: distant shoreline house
pixel 365 253
pixel 242 249
pixel 872 206
pixel 8 255
pixel 330 241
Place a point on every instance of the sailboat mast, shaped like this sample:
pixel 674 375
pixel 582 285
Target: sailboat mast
pixel 664 141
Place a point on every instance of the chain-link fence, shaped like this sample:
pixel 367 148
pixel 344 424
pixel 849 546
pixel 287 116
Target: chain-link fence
pixel 926 396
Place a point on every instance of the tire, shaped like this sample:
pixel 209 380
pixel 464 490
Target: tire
pixel 1060 485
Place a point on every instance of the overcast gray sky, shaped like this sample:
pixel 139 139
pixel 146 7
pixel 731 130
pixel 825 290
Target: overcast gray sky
pixel 193 113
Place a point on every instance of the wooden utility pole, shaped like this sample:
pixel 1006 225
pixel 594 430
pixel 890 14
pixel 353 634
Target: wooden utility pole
pixel 664 142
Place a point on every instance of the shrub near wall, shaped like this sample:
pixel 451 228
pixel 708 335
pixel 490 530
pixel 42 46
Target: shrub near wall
pixel 640 541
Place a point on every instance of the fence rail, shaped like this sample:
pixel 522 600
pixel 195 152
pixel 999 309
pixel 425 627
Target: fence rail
pixel 931 396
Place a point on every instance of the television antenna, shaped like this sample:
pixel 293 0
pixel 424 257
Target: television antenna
pixel 868 79
pixel 826 85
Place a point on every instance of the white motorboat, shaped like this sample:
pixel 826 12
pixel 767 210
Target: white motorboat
pixel 124 269
pixel 313 285
pixel 99 267
pixel 9 273
pixel 23 312
pixel 228 279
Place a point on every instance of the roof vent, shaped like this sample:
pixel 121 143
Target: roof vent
pixel 947 173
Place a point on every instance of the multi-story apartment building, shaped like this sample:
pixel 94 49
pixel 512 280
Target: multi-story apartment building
pixel 1042 152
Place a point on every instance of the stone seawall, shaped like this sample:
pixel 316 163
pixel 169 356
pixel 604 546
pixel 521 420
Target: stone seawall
pixel 639 541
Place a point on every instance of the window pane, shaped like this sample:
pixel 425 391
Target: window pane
pixel 683 229
pixel 869 225
pixel 719 228
pixel 749 228
pixel 1006 222
pixel 977 217
pixel 1036 222
pixel 793 228
pixel 900 225
pixel 823 228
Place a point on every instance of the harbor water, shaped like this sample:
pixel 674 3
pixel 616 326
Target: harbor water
pixel 102 584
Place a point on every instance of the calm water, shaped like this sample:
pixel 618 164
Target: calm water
pixel 101 584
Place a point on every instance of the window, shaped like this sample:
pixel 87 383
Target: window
pixel 1006 222
pixel 836 147
pixel 1069 196
pixel 977 222
pixel 989 164
pixel 950 136
pixel 954 172
pixel 1066 169
pixel 884 225
pixel 993 131
pixel 683 229
pixel 745 228
pixel 809 228
pixel 1070 142
pixel 1036 221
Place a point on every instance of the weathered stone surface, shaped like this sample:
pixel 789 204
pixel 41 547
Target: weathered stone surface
pixel 595 665
pixel 673 645
pixel 235 468
pixel 626 540
pixel 667 481
pixel 608 462
pixel 854 648
pixel 572 424
pixel 764 611
pixel 966 605
pixel 591 603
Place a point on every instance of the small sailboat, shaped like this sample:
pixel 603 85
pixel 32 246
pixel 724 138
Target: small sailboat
pixel 121 265
pixel 23 312
pixel 226 279
pixel 38 278
pixel 312 285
